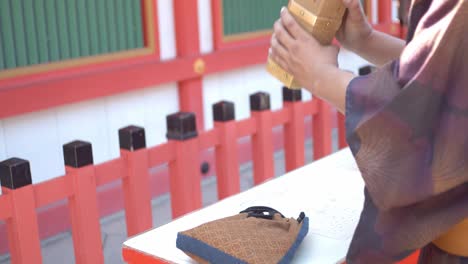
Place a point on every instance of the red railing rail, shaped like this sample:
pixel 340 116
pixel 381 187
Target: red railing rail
pixel 79 185
pixel 21 198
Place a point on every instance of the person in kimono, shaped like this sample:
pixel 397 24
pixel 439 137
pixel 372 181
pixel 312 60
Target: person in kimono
pixel 406 125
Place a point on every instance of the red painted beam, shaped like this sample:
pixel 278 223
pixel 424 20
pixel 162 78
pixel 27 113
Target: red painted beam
pixel 110 171
pixel 55 89
pixel 236 57
pixel 217 21
pixel 385 11
pixel 51 191
pixel 209 139
pixel 187 43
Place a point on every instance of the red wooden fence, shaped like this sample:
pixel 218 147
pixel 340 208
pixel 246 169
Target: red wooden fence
pixel 21 198
pixel 79 185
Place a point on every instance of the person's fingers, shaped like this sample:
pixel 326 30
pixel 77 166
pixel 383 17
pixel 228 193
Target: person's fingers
pixel 279 60
pixel 277 48
pixel 355 11
pixel 279 51
pixel 291 25
pixel 282 35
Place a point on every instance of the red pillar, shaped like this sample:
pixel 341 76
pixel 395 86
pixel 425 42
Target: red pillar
pixel 22 228
pixel 385 11
pixel 227 160
pixel 84 213
pixel 322 130
pixel 187 43
pixel 368 9
pixel 137 195
pixel 341 131
pixel 294 134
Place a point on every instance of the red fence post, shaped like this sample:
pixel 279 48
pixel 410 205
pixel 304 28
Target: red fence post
pixel 385 11
pixel 185 178
pixel 137 195
pixel 84 214
pixel 342 143
pixel 262 140
pixel 22 228
pixel 227 160
pixel 365 70
pixel 294 134
pixel 411 259
pixel 322 130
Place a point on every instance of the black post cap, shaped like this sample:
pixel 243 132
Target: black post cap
pixel 260 101
pixel 132 138
pixel 78 154
pixel 223 111
pixel 15 173
pixel 365 70
pixel 291 95
pixel 181 126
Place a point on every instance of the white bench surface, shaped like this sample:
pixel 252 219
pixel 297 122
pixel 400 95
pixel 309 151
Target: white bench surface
pixel 329 191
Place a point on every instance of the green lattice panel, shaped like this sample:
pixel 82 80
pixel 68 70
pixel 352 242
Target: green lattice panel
pixel 247 16
pixel 42 31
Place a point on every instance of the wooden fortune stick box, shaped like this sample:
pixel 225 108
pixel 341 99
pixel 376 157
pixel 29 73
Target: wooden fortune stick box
pixel 321 18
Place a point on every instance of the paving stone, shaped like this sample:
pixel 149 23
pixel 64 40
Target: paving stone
pixel 162 212
pixel 58 249
pixel 113 248
pixel 114 224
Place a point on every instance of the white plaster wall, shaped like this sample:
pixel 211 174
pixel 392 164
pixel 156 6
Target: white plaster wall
pixel 236 86
pixel 166 29
pixel 35 137
pixel 350 61
pixel 395 10
pixel 39 136
pixel 204 25
pixel 375 11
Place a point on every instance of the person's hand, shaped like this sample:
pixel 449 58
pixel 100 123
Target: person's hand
pixel 297 52
pixel 355 29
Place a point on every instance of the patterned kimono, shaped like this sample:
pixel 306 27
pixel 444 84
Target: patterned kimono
pixel 407 127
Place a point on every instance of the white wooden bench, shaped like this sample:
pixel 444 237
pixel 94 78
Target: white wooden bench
pixel 329 191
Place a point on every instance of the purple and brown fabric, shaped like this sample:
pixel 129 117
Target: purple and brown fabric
pixel 407 127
